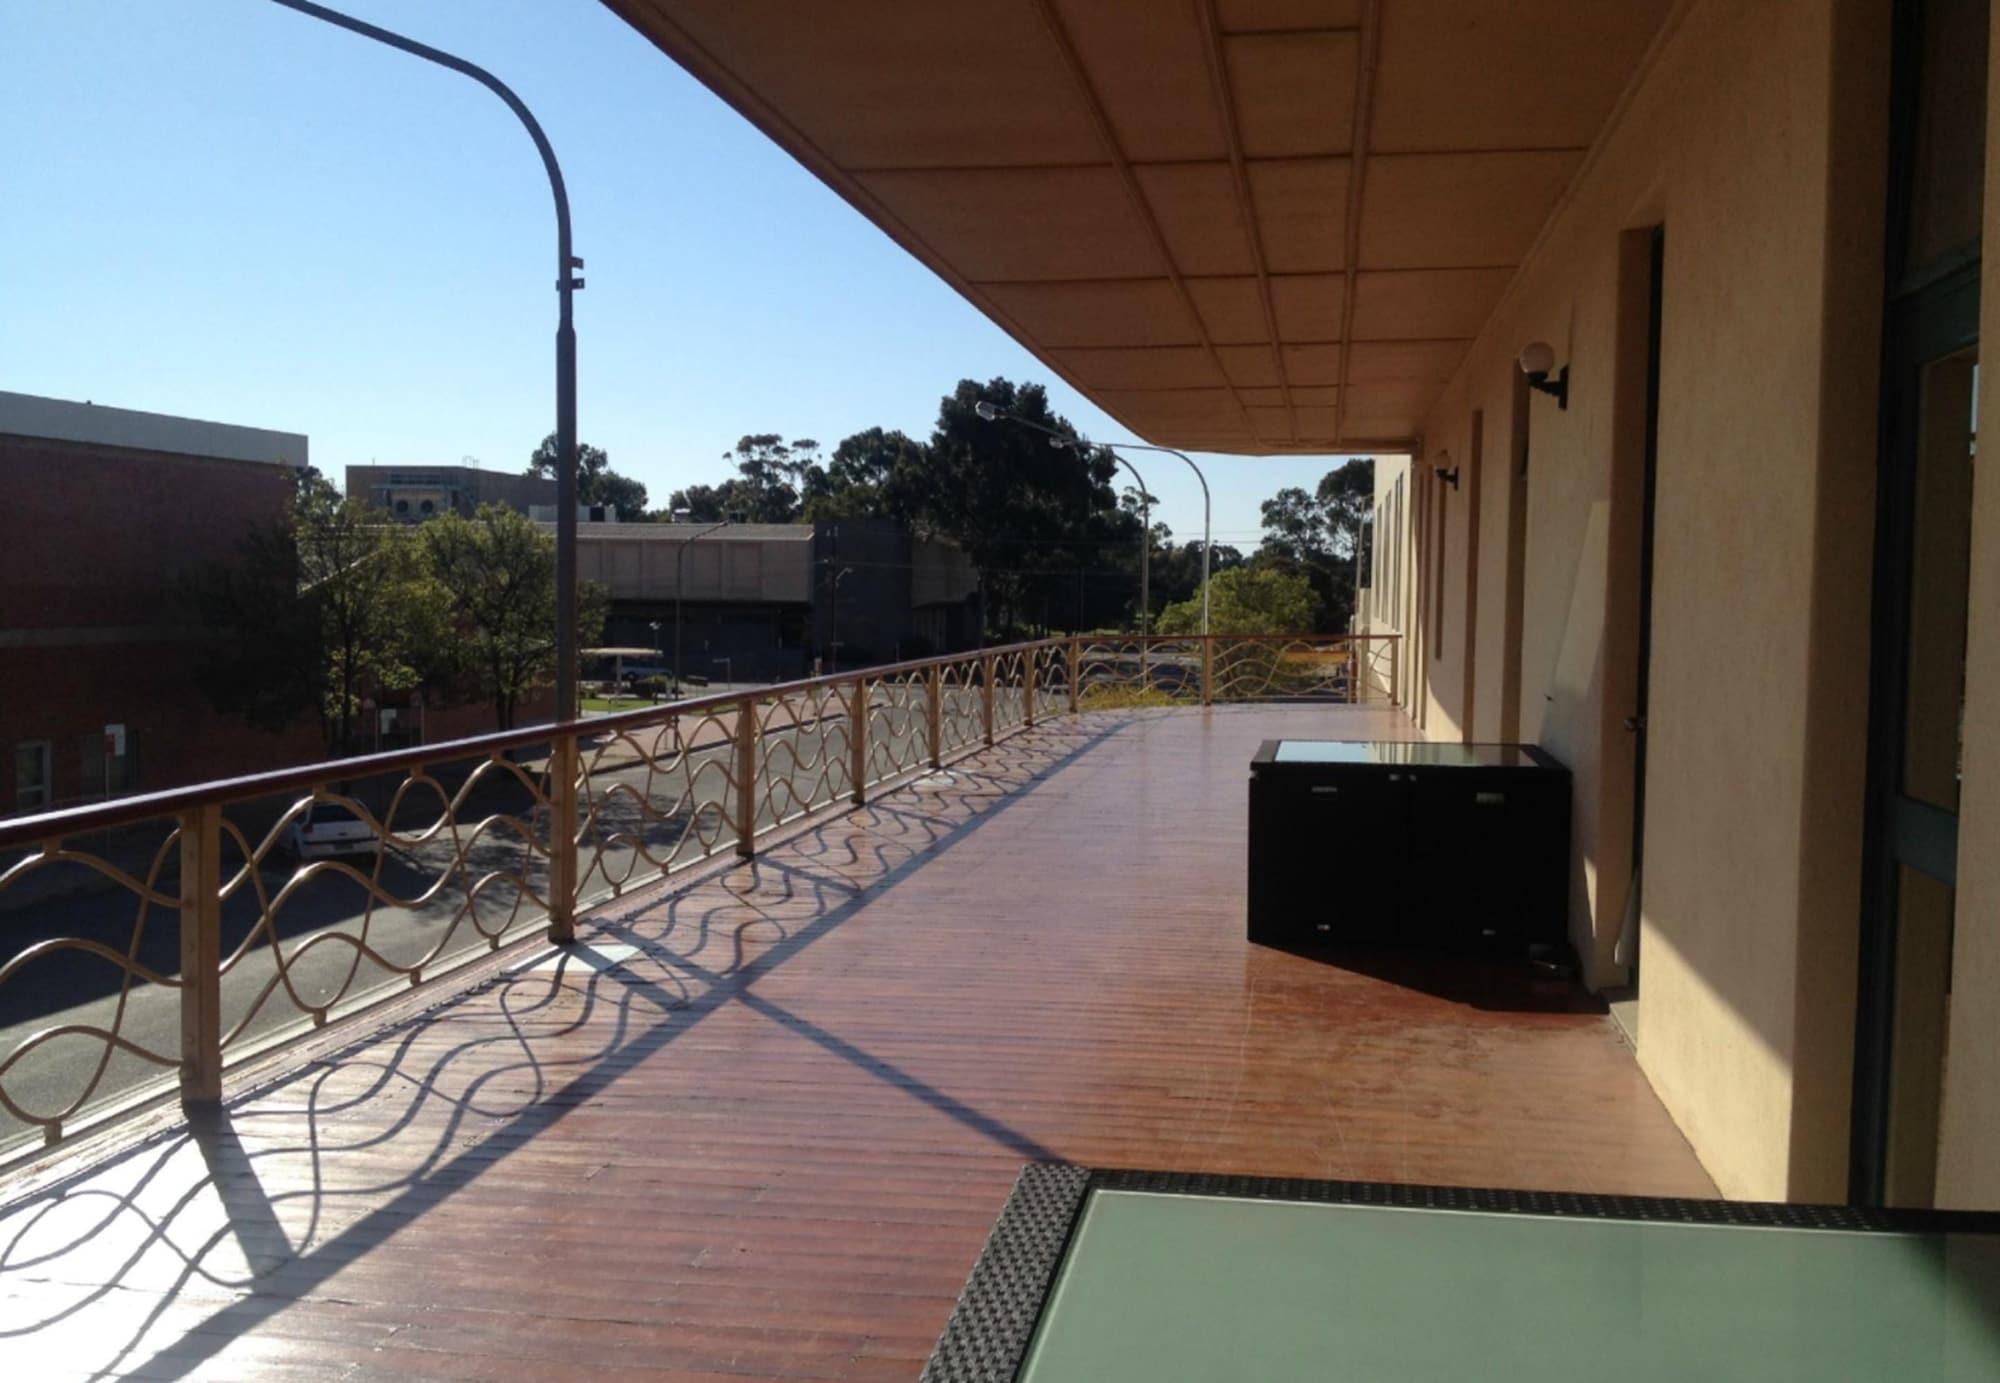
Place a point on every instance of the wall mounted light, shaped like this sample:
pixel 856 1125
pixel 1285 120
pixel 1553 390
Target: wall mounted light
pixel 1538 361
pixel 1446 473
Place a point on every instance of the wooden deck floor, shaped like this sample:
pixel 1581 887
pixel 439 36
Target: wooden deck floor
pixel 763 1127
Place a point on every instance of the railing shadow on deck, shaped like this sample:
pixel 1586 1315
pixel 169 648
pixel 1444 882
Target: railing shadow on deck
pixel 185 1216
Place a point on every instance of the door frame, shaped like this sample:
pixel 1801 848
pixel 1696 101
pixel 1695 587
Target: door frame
pixel 1929 311
pixel 1922 326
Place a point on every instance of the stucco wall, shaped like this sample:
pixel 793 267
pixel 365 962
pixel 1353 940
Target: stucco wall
pixel 1389 599
pixel 1752 122
pixel 1968 1163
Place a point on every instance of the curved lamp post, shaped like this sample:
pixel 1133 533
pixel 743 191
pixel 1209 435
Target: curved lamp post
pixel 991 412
pixel 680 585
pixel 566 284
pixel 833 620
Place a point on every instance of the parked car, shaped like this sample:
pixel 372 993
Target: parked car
pixel 327 828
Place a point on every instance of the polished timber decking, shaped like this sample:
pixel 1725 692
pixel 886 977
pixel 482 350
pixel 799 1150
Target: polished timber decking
pixel 760 1127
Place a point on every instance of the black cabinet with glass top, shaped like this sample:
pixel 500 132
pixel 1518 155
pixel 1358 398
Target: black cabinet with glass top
pixel 1420 844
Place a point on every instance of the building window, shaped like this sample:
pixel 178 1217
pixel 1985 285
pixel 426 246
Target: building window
pixel 31 775
pixel 402 506
pixel 428 507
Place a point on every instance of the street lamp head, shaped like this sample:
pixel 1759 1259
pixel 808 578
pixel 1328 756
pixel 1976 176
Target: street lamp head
pixel 683 515
pixel 986 411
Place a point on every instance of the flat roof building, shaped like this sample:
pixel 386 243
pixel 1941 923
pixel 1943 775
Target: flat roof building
pixel 104 514
pixel 764 601
pixel 415 493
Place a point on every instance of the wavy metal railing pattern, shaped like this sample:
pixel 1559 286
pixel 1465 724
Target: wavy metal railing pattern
pixel 1329 667
pixel 1008 711
pixel 1160 667
pixel 805 754
pixel 897 707
pixel 1284 669
pixel 486 874
pixel 960 718
pixel 94 1040
pixel 654 798
pixel 197 919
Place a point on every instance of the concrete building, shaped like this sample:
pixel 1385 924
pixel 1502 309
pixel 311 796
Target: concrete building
pixel 414 493
pixel 764 601
pixel 103 513
pixel 1741 576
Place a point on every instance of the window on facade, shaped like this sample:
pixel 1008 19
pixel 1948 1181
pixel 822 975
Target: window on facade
pixel 31 775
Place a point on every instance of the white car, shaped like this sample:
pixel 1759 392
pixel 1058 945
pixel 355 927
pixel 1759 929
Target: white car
pixel 327 828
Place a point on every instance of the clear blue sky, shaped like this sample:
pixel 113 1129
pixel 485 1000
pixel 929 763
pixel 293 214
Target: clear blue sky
pixel 226 210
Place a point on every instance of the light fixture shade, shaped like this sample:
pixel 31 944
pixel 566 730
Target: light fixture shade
pixel 986 410
pixel 1537 358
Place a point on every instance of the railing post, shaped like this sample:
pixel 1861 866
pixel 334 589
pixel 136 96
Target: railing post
pixel 1028 688
pixel 986 697
pixel 1395 672
pixel 1353 672
pixel 562 839
pixel 857 737
pixel 1207 670
pixel 934 713
pixel 1075 673
pixel 201 955
pixel 746 777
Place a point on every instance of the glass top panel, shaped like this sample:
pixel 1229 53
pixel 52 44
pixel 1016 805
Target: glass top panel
pixel 1415 753
pixel 1165 1288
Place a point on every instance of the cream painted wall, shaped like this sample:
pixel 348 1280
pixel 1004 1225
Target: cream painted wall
pixel 1755 122
pixel 1388 597
pixel 1969 1141
pixel 1500 490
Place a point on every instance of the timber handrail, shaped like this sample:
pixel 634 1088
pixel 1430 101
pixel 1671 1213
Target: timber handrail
pixel 471 849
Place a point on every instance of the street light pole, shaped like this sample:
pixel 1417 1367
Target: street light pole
pixel 990 412
pixel 566 284
pixel 833 620
pixel 1145 539
pixel 680 585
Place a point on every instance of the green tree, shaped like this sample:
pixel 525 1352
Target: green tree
pixel 1177 566
pixel 495 573
pixel 318 611
pixel 1247 600
pixel 1053 540
pixel 774 481
pixel 1042 523
pixel 1316 533
pixel 596 482
pixel 873 474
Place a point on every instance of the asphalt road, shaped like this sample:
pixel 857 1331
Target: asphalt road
pixel 72 988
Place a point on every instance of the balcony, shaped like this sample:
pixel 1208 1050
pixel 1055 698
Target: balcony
pixel 758 1118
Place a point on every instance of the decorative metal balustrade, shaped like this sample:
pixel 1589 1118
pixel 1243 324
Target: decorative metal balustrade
pixel 1163 669
pixel 183 930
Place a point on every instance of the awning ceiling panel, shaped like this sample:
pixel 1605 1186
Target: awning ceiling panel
pixel 1237 225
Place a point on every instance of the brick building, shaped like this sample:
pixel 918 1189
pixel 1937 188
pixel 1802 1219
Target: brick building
pixel 104 514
